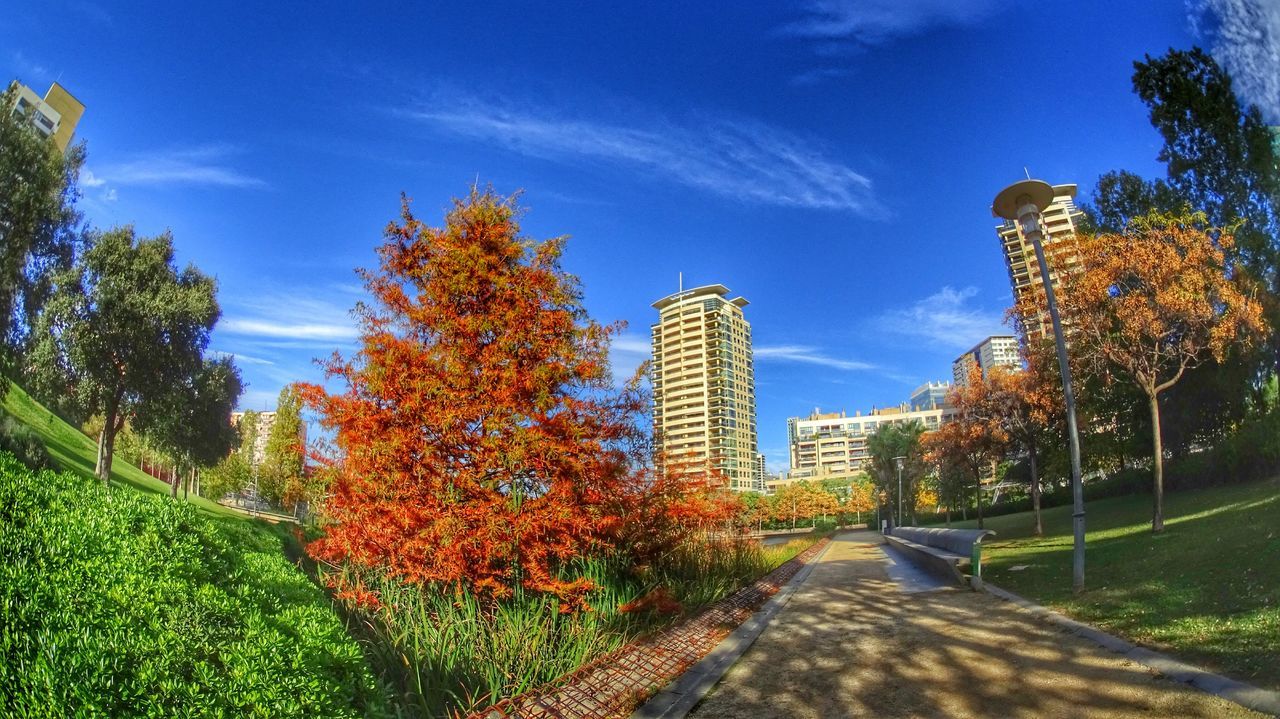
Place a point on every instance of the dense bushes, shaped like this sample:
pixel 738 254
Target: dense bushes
pixel 114 603
pixel 22 442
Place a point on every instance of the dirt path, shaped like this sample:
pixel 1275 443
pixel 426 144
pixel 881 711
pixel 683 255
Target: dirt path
pixel 851 643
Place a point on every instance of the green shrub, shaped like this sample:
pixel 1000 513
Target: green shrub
pixel 116 604
pixel 24 443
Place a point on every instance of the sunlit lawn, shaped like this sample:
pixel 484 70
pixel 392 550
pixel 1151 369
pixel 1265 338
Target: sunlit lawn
pixel 1207 589
pixel 75 452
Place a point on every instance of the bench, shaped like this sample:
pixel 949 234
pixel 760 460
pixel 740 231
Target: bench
pixel 943 552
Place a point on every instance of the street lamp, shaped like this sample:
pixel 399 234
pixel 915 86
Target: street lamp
pixel 899 461
pixel 1023 202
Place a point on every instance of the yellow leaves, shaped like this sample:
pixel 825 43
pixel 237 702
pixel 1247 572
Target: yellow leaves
pixel 1158 298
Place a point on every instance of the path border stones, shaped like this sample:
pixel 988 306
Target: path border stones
pixel 615 684
pixel 1246 695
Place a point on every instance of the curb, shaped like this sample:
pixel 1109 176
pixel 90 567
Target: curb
pixel 1246 695
pixel 679 697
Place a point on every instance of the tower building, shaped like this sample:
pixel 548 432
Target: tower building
pixel 1059 220
pixel 55 115
pixel 704 404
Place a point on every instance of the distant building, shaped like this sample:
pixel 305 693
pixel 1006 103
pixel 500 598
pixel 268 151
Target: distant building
pixel 1060 220
pixel 930 395
pixel 262 433
pixel 704 402
pixel 55 115
pixel 994 351
pixel 762 474
pixel 834 445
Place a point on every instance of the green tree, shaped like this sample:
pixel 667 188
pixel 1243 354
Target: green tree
pixel 898 440
pixel 39 224
pixel 282 478
pixel 122 328
pixel 192 421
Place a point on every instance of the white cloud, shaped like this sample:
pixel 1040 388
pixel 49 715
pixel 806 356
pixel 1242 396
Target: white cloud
pixel 743 160
pixel 290 320
pixel 626 352
pixel 806 355
pixel 203 165
pixel 875 22
pixel 88 179
pixel 1245 38
pixel 945 320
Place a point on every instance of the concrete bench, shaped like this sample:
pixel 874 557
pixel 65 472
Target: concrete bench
pixel 944 552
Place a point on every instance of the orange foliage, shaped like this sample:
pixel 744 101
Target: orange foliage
pixel 480 439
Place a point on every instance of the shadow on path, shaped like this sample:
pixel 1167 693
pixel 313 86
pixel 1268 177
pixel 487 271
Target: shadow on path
pixel 867 635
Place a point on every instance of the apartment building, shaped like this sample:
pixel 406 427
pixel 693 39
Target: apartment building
pixel 994 351
pixel 930 395
pixel 1060 221
pixel 834 445
pixel 55 115
pixel 704 405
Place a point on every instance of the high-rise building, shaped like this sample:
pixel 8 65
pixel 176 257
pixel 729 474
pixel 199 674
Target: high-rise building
pixel 762 473
pixel 834 445
pixel 55 115
pixel 704 402
pixel 1060 220
pixel 997 350
pixel 930 395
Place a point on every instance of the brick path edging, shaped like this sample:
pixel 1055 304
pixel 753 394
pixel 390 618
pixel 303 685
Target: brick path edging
pixel 615 684
pixel 1246 695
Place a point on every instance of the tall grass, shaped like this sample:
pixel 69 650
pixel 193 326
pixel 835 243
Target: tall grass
pixel 449 653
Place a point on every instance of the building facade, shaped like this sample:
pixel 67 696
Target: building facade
pixel 834 445
pixel 994 351
pixel 704 404
pixel 1060 221
pixel 55 115
pixel 930 395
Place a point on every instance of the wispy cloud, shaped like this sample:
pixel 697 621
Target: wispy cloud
pixel 945 320
pixel 206 165
pixel 806 355
pixel 31 70
pixel 626 352
pixel 1244 37
pixel 88 179
pixel 290 320
pixel 875 22
pixel 740 159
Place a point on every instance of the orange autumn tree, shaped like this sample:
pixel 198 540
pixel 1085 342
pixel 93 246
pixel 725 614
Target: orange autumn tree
pixel 973 439
pixel 480 441
pixel 1154 301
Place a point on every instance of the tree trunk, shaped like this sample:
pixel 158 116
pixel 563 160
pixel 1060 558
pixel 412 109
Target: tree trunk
pixel 174 481
pixel 977 495
pixel 948 510
pixel 1157 466
pixel 107 440
pixel 1035 493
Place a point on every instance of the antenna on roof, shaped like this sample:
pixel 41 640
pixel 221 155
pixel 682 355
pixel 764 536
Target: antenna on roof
pixel 681 284
pixel 1026 172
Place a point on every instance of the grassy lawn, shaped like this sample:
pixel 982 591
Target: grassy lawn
pixel 75 452
pixel 1207 589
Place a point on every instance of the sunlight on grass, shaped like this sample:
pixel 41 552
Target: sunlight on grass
pixel 1206 589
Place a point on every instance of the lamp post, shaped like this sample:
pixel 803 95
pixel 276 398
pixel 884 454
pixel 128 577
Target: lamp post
pixel 1023 202
pixel 899 461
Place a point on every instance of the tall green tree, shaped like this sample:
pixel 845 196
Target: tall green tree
pixel 898 440
pixel 122 328
pixel 39 224
pixel 192 421
pixel 282 474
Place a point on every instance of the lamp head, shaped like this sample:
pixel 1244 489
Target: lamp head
pixel 1007 202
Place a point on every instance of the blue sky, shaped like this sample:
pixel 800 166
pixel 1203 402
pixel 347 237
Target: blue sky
pixel 831 161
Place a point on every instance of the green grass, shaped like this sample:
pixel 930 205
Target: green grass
pixel 1206 589
pixel 73 451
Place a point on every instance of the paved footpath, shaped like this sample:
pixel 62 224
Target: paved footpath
pixel 868 636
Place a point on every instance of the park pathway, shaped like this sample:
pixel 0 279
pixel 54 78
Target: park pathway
pixel 867 636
